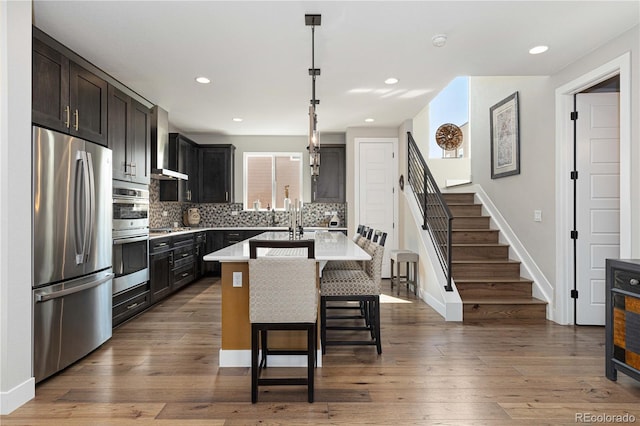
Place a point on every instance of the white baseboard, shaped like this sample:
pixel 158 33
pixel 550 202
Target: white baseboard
pixel 19 395
pixel 242 358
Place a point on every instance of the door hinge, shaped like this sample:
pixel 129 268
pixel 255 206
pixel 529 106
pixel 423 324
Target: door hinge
pixel 574 115
pixel 574 235
pixel 574 175
pixel 574 294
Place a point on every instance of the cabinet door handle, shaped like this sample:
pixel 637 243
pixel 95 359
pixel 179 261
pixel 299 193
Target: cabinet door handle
pixel 634 281
pixel 133 305
pixel 67 111
pixel 185 255
pixel 77 116
pixel 134 169
pixel 226 196
pixel 186 274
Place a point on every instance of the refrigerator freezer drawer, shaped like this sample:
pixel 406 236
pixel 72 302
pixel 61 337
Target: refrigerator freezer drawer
pixel 71 319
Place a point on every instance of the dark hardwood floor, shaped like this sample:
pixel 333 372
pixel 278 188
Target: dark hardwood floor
pixel 162 368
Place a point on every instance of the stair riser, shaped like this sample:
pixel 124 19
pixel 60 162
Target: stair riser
pixel 493 291
pixel 486 270
pixel 459 197
pixel 471 222
pixel 470 237
pixel 480 253
pixel 465 210
pixel 503 312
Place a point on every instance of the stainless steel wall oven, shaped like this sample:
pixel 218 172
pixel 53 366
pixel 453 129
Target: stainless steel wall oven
pixel 130 235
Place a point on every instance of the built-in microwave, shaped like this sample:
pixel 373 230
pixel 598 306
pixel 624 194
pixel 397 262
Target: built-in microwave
pixel 130 210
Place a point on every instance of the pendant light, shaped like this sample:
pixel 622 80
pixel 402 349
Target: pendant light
pixel 314 134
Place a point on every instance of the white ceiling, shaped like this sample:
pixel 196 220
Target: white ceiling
pixel 257 54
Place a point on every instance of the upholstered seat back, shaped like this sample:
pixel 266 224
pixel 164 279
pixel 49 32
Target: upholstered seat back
pixel 373 267
pixel 282 290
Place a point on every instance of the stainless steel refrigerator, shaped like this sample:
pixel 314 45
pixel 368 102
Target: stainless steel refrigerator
pixel 72 275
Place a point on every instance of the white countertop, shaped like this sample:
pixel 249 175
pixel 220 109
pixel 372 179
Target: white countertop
pixel 329 246
pixel 153 235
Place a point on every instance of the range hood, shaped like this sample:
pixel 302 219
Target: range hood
pixel 160 167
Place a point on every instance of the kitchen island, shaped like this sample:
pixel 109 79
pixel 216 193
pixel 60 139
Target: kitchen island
pixel 235 348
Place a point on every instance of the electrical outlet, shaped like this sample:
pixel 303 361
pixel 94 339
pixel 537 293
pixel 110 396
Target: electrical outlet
pixel 327 213
pixel 237 279
pixel 234 213
pixel 165 213
pixel 537 215
pixel 334 213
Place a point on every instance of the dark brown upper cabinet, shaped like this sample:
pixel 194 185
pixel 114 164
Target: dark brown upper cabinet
pixel 329 186
pixel 216 173
pixel 129 137
pixel 66 97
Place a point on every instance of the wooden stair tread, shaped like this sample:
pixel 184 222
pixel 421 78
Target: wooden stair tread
pixel 479 245
pixel 481 280
pixel 487 261
pixel 505 301
pixel 474 230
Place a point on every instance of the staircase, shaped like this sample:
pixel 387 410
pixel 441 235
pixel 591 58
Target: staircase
pixel 489 282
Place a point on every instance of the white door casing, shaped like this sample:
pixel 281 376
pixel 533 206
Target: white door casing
pixel 598 200
pixel 562 305
pixel 375 175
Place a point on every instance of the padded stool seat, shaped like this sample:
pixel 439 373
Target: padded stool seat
pixel 410 258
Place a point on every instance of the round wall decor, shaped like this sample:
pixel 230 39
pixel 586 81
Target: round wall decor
pixel 449 136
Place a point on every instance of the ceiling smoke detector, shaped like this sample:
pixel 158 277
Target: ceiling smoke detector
pixel 439 40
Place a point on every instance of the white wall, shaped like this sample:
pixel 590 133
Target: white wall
pixel 516 197
pixel 628 42
pixel 16 382
pixel 268 144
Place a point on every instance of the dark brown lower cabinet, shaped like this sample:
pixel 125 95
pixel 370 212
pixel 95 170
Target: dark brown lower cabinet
pixel 130 303
pixel 160 268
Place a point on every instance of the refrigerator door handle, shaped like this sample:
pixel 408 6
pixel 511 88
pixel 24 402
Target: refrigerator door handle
pixel 83 209
pixel 44 297
pixel 79 208
pixel 91 190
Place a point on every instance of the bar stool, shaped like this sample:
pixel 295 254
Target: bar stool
pixel 361 286
pixel 410 258
pixel 282 296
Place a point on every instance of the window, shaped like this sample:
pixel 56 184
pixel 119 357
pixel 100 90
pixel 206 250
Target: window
pixel 451 105
pixel 268 175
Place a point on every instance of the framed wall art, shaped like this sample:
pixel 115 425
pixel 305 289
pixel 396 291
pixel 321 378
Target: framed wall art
pixel 505 137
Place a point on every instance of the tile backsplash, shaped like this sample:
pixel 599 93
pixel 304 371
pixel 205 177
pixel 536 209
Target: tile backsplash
pixel 232 215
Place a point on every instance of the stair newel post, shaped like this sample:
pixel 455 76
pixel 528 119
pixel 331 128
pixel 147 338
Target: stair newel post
pixel 449 253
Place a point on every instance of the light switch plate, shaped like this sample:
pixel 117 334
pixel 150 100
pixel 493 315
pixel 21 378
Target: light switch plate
pixel 237 279
pixel 537 215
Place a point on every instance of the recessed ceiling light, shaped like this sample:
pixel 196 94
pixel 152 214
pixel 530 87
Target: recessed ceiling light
pixel 538 49
pixel 237 119
pixel 391 80
pixel 203 80
pixel 439 40
pixel 369 120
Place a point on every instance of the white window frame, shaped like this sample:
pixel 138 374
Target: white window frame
pixel 272 154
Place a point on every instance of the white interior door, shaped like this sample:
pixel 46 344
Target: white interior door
pixel 375 191
pixel 598 199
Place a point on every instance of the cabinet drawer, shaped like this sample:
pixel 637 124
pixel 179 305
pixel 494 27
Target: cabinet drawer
pixel 159 245
pixel 130 303
pixel 183 276
pixel 627 281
